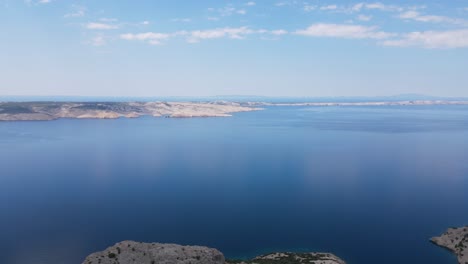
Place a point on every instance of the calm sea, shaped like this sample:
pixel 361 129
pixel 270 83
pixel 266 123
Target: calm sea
pixel 370 184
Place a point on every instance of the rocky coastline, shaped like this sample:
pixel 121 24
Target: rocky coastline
pixel 456 241
pixel 131 252
pixel 44 111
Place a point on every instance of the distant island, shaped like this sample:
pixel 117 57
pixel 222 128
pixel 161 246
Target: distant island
pixel 36 111
pixel 41 111
pixel 370 103
pixel 456 241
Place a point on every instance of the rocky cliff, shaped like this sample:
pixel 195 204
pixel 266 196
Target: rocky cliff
pixel 455 240
pixel 130 252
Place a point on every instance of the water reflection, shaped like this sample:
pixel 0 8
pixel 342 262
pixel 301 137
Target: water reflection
pixel 361 183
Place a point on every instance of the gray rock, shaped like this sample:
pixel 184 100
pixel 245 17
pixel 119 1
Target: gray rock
pixel 456 241
pixel 130 252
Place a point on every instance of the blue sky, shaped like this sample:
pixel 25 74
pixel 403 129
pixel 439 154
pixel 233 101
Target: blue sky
pixel 203 48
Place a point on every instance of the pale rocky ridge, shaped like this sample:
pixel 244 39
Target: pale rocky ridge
pixel 37 111
pixel 130 252
pixel 376 103
pixel 456 241
pixel 42 111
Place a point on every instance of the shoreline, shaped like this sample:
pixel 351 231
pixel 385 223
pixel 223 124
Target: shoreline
pixel 47 111
pixel 454 240
pixel 127 252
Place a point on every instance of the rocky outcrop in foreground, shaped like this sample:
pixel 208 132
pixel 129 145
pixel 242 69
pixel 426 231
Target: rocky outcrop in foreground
pixel 455 240
pixel 292 258
pixel 130 252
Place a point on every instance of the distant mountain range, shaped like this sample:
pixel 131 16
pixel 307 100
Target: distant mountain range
pixel 232 98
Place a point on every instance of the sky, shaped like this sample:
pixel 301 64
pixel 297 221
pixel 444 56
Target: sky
pixel 213 47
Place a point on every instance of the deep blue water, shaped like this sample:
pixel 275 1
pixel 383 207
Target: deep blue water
pixel 366 183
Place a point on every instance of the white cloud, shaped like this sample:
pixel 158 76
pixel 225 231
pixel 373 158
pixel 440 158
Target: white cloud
pixel 279 32
pixel 105 19
pixel 375 6
pixel 233 33
pixel 383 7
pixel 228 32
pixel 287 3
pixel 156 38
pixel 415 15
pixel 77 11
pixel 184 20
pixel 146 22
pixel 364 18
pixel 251 3
pixel 98 41
pixel 196 36
pixel 357 7
pixel 309 8
pixel 329 7
pixel 369 6
pixel 213 18
pixel 432 39
pixel 228 10
pixel 37 2
pixel 149 37
pixel 343 31
pixel 101 26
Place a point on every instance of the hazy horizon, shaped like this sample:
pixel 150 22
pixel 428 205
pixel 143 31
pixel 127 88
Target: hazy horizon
pixel 235 97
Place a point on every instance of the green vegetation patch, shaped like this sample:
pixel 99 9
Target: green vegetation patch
pixel 15 108
pixel 285 258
